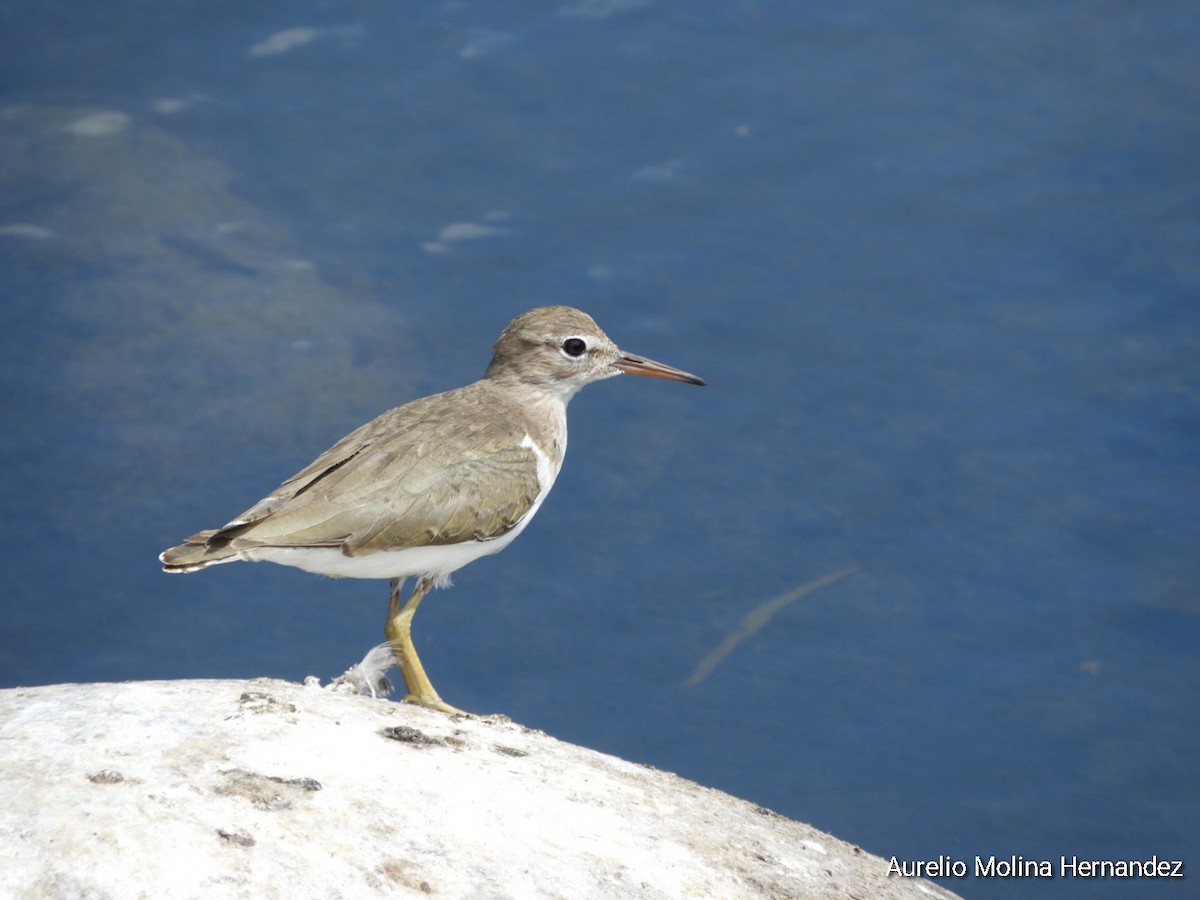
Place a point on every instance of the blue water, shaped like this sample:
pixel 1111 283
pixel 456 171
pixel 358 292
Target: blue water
pixel 940 265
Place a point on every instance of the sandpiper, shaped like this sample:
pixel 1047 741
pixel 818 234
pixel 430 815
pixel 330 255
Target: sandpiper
pixel 434 484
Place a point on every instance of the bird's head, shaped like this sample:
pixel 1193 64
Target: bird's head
pixel 560 349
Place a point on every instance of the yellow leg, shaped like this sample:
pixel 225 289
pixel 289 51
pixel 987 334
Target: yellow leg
pixel 399 634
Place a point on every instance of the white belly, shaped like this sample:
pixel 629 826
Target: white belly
pixel 437 560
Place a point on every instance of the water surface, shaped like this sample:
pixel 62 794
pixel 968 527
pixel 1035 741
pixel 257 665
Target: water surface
pixel 938 265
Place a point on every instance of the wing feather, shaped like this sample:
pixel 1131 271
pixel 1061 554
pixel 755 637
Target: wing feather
pixel 417 475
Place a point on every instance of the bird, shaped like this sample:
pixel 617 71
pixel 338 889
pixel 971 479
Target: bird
pixel 432 485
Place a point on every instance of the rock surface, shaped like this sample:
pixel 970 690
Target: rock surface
pixel 266 789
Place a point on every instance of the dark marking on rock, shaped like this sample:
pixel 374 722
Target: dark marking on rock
pixel 237 838
pixel 406 874
pixel 509 751
pixel 406 734
pixel 262 702
pixel 269 792
pixel 106 776
pixel 305 784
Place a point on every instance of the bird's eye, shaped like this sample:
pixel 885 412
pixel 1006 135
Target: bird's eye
pixel 574 346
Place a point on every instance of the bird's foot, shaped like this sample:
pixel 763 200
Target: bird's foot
pixel 436 703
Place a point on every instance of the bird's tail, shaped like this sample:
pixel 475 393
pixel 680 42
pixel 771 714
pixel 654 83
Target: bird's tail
pixel 196 553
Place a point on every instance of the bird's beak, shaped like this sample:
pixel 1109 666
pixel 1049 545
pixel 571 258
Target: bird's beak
pixel 639 365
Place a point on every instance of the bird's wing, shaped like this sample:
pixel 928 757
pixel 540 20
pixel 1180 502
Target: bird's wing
pixel 413 477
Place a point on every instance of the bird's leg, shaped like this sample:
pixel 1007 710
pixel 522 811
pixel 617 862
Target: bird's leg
pixel 399 634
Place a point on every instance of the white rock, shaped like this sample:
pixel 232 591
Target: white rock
pixel 265 789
